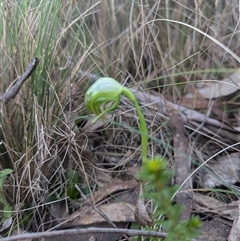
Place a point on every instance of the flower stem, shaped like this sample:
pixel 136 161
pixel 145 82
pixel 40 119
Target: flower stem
pixel 142 122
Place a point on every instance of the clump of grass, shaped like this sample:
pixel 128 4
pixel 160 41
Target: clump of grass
pixel 35 127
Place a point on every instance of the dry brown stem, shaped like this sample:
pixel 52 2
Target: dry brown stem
pixel 71 232
pixel 13 90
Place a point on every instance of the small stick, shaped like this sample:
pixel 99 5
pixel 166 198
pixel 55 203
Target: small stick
pixel 12 91
pixel 70 232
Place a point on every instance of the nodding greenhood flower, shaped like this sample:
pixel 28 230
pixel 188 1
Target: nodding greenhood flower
pixel 101 93
pixel 106 90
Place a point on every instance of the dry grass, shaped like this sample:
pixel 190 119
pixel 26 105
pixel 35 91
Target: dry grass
pixel 132 41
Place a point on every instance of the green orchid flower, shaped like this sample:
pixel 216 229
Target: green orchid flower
pixel 104 96
pixel 102 92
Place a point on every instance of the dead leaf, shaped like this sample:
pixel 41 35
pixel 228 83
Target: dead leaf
pixel 91 127
pixel 103 178
pixel 109 191
pixel 235 231
pixel 59 210
pixel 6 224
pixel 116 212
pixel 217 88
pixel 194 100
pixel 193 103
pixel 209 205
pixel 213 230
pixel 112 188
pixel 223 216
pixel 226 170
pixel 142 215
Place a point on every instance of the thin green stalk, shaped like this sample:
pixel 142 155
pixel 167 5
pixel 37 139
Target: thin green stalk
pixel 142 122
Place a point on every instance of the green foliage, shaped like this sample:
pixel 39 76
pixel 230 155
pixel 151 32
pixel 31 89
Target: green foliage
pixel 72 180
pixel 154 172
pixel 6 207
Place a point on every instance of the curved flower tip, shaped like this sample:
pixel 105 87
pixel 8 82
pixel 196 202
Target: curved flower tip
pixel 101 93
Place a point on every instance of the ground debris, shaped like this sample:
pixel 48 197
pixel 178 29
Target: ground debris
pixel 225 170
pixel 235 231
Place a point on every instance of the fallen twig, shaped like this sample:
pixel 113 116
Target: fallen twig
pixel 71 232
pixel 13 90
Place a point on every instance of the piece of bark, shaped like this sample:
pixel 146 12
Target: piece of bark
pixel 181 163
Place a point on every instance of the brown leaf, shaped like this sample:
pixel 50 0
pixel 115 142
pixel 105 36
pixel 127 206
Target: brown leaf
pixel 225 170
pixel 193 99
pixel 116 212
pixel 214 230
pixel 91 127
pixel 209 205
pixel 6 224
pixel 142 215
pixel 194 103
pixel 115 186
pixel 125 208
pixel 219 88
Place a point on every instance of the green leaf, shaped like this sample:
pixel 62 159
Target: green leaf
pixel 3 176
pixel 7 208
